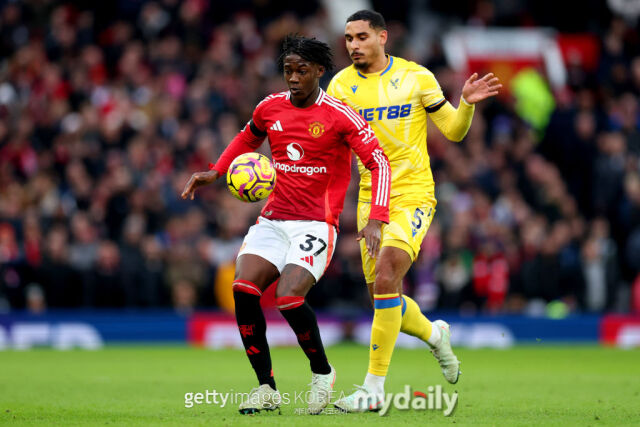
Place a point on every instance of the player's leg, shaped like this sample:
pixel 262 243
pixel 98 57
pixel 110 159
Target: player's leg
pixel 414 322
pixel 311 249
pixel 294 284
pixel 406 233
pixel 401 241
pixel 253 276
pixel 390 267
pixel 258 265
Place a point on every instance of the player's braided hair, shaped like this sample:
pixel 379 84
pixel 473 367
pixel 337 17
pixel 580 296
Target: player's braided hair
pixel 309 49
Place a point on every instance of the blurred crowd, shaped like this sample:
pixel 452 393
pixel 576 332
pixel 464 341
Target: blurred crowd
pixel 105 113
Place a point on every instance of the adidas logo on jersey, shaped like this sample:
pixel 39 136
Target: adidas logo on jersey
pixel 276 126
pixel 308 260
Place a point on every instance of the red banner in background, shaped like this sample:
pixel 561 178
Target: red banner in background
pixel 582 49
pixel 506 52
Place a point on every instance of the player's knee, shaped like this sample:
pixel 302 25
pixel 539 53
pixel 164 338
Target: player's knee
pixel 290 289
pixel 386 282
pixel 294 281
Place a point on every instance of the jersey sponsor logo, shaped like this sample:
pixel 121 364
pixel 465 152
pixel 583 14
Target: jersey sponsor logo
pixel 354 88
pixel 316 129
pixel 307 170
pixel 394 83
pixel 387 112
pixel 295 151
pixel 277 126
pixel 367 135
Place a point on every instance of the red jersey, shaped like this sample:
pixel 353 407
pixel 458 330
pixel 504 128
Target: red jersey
pixel 311 150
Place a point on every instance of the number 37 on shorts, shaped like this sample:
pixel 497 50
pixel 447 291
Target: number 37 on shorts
pixel 308 244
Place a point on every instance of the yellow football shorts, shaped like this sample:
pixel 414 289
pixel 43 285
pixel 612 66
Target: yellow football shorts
pixel 408 224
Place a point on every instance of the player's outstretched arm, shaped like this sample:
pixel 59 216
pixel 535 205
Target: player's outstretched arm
pixel 199 179
pixel 454 123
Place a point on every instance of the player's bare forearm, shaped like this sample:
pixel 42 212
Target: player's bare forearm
pixel 476 90
pixel 372 234
pixel 199 179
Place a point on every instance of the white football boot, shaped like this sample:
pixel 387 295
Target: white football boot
pixel 444 354
pixel 321 391
pixel 262 398
pixel 362 400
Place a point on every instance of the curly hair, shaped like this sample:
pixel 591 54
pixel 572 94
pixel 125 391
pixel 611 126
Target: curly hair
pixel 309 49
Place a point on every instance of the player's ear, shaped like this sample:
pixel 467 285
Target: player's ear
pixel 382 36
pixel 321 71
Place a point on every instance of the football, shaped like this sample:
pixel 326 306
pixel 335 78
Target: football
pixel 251 177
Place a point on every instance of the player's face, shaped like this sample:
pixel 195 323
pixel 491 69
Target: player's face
pixel 302 77
pixel 364 44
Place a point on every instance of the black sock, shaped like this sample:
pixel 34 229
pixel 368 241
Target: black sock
pixel 253 330
pixel 303 322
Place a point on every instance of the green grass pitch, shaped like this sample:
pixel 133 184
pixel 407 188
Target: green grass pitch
pixel 146 386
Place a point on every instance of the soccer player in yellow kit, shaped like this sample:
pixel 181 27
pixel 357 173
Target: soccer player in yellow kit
pixel 395 96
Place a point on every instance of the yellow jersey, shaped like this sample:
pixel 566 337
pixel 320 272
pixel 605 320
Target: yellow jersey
pixel 395 102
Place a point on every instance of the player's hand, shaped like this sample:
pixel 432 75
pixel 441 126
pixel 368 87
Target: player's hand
pixel 476 90
pixel 371 234
pixel 199 179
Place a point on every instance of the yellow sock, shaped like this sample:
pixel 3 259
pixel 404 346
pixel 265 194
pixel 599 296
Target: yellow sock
pixel 387 318
pixel 414 322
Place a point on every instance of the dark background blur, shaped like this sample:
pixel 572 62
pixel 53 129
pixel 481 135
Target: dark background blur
pixel 106 110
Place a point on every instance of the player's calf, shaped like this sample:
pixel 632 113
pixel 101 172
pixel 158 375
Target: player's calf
pixel 303 321
pixel 253 328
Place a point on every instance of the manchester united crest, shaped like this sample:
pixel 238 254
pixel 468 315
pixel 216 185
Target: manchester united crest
pixel 316 129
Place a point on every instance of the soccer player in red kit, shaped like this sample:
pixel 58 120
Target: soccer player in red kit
pixel 311 135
